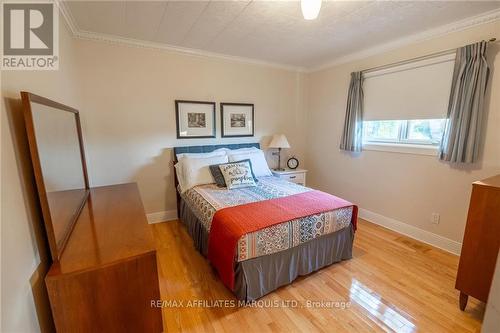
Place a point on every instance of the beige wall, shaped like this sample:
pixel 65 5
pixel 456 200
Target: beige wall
pixel 126 96
pixel 24 254
pixel 126 99
pixel 129 115
pixel 404 187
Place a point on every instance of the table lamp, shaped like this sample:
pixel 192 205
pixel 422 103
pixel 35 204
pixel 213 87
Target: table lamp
pixel 279 141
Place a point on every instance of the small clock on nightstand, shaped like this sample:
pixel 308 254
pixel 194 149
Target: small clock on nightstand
pixel 297 176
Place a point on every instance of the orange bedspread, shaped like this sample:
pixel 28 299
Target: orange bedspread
pixel 230 224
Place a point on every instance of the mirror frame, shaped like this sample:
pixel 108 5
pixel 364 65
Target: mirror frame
pixel 56 247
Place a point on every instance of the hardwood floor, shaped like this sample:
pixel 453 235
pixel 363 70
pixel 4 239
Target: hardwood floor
pixel 393 283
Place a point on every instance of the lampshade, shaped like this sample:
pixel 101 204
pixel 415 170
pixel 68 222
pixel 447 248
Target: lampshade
pixel 279 141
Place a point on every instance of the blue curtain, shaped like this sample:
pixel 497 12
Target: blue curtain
pixel 462 135
pixel 353 123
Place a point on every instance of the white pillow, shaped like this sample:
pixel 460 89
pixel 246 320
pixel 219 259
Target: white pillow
pixel 239 150
pixel 258 159
pixel 181 156
pixel 180 175
pixel 217 152
pixel 196 171
pixel 237 175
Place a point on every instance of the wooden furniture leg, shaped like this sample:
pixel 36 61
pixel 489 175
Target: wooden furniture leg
pixel 463 300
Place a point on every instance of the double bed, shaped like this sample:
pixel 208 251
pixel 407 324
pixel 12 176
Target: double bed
pixel 274 255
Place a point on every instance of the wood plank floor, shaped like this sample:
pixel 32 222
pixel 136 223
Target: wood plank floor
pixel 393 283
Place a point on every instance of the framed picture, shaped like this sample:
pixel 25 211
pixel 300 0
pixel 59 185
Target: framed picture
pixel 195 119
pixel 237 119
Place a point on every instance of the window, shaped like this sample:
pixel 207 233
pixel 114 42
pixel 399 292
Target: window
pixel 415 132
pixel 405 105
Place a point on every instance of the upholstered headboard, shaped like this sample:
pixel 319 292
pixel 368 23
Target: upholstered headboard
pixel 209 148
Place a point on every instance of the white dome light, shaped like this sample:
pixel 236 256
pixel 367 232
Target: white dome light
pixel 310 8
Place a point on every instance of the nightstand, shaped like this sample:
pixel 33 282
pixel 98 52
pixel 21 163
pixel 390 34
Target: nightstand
pixel 297 176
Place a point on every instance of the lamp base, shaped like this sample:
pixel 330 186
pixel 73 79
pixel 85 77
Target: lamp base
pixel 279 159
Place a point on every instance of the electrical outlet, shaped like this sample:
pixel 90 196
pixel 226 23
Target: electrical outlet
pixel 435 218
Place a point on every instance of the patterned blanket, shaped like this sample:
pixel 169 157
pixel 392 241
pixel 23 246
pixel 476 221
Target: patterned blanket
pixel 205 200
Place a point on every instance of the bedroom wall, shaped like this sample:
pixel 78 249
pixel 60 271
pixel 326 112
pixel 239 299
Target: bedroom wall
pixel 128 108
pixel 24 251
pixel 126 100
pixel 402 187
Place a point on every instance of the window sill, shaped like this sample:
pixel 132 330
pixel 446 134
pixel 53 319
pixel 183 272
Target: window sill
pixel 402 148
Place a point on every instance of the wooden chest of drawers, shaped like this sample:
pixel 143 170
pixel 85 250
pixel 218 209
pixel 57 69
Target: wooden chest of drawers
pixel 481 241
pixel 107 275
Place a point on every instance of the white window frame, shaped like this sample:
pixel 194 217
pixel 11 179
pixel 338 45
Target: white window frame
pixel 402 148
pixel 402 144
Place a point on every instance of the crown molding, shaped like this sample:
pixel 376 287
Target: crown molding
pixel 484 18
pixel 86 35
pixel 66 13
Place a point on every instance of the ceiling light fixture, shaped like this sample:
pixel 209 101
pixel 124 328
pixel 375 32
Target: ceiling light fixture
pixel 310 8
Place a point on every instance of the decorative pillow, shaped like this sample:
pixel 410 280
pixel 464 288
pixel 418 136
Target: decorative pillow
pixel 259 163
pixel 219 178
pixel 195 171
pixel 217 174
pixel 237 174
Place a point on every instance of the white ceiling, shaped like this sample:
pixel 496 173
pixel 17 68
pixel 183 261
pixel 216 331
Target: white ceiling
pixel 271 31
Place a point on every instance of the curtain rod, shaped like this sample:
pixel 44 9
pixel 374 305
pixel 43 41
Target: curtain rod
pixel 407 61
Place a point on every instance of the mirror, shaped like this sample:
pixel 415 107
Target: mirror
pixel 56 147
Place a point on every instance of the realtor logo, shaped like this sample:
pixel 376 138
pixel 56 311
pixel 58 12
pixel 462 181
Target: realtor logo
pixel 30 36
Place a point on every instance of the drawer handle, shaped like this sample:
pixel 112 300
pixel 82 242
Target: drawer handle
pixel 293 177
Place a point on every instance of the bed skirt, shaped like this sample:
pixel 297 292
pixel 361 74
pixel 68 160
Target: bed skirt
pixel 259 276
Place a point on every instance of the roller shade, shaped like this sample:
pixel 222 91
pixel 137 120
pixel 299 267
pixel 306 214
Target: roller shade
pixel 416 90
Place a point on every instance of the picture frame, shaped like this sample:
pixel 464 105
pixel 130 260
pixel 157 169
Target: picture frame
pixel 237 120
pixel 195 119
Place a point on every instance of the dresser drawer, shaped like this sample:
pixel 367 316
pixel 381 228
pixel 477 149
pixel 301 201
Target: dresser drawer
pixel 298 178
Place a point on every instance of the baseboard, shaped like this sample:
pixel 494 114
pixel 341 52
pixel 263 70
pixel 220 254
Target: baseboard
pixel 427 237
pixel 164 216
pixel 424 236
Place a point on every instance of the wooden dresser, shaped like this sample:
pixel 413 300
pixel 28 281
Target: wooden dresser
pixel 481 241
pixel 107 275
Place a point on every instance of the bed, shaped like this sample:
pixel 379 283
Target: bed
pixel 273 256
